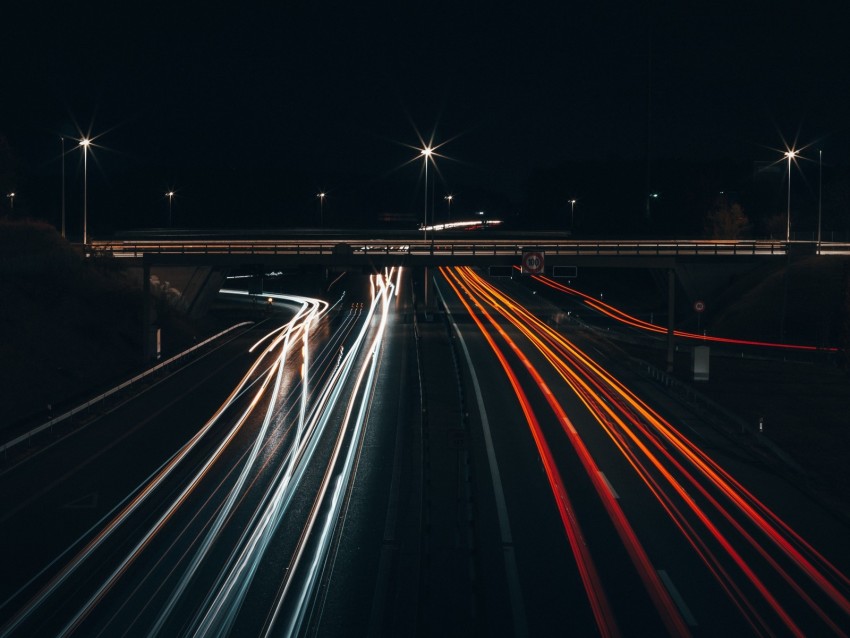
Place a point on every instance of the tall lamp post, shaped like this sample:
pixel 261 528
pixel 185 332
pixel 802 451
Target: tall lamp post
pixel 790 155
pixel 426 154
pixel 321 197
pixel 11 197
pixel 572 213
pixel 85 143
pixel 820 193
pixel 449 199
pixel 170 196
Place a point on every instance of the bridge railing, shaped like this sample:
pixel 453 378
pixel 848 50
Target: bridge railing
pixel 439 247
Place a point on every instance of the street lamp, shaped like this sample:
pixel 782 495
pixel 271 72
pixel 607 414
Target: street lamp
pixel 85 143
pixel 790 155
pixel 170 196
pixel 11 197
pixel 572 213
pixel 449 199
pixel 426 154
pixel 321 197
pixel 820 193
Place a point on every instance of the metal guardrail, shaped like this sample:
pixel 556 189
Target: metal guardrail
pixel 442 247
pixel 80 408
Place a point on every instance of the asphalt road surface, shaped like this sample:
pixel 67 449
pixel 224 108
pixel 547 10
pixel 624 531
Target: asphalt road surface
pixel 383 461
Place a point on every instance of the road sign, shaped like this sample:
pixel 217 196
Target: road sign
pixel 699 306
pixel 500 271
pixel 567 272
pixel 532 263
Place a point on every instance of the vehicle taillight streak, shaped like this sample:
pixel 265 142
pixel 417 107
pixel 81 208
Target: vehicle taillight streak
pixel 600 606
pixel 695 492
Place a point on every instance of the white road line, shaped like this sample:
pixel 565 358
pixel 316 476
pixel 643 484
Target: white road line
pixel 610 487
pixel 520 624
pixel 677 598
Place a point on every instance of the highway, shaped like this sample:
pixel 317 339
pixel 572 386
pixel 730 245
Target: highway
pixel 209 509
pixel 703 551
pixel 354 465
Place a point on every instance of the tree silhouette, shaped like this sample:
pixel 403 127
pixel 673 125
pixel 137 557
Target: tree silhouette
pixel 726 221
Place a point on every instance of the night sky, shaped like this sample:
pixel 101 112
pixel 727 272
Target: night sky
pixel 248 110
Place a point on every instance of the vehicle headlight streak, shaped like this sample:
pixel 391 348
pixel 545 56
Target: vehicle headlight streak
pixel 310 310
pixel 637 430
pixel 140 546
pixel 222 604
pixel 308 313
pixel 364 388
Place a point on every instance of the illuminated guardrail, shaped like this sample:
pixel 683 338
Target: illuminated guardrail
pixel 445 247
pixel 26 436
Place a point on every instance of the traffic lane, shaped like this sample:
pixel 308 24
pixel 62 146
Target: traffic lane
pixel 526 545
pixel 654 527
pixel 620 579
pixel 552 591
pixel 765 573
pixel 633 613
pixel 589 512
pixel 659 537
pixel 150 576
pixel 763 554
pixel 52 498
pixel 358 594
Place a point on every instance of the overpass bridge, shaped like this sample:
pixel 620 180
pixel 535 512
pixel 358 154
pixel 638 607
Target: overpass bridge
pixel 205 261
pixel 433 252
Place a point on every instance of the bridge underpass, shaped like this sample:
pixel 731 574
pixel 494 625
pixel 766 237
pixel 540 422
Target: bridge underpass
pixel 203 264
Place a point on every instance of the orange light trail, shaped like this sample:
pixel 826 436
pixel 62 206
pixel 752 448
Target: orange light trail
pixel 587 570
pixel 637 431
pixel 655 588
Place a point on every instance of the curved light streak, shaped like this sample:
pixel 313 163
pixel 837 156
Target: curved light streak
pixel 625 318
pixel 642 435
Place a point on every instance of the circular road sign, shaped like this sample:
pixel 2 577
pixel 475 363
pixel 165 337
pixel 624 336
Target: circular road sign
pixel 699 306
pixel 532 262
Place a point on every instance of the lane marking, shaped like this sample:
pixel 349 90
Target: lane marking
pixel 610 487
pixel 677 598
pixel 87 502
pixel 520 624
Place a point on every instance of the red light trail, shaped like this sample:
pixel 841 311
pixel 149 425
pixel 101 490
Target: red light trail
pixel 744 545
pixel 627 319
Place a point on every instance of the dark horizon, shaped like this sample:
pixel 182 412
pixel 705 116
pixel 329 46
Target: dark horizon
pixel 216 104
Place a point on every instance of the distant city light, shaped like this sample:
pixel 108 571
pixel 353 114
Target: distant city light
pixel 467 225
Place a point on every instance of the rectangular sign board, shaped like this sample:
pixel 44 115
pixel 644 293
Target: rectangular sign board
pixel 500 271
pixel 567 272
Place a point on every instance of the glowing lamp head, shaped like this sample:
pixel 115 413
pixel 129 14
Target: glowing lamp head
pixel 85 142
pixel 170 194
pixel 790 154
pixel 427 151
pixel 321 195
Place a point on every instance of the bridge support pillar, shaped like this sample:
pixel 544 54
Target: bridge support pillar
pixel 671 317
pixel 427 294
pixel 146 311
